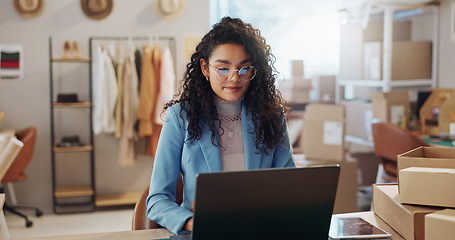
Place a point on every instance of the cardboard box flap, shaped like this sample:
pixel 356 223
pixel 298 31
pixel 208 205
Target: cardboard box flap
pixel 436 157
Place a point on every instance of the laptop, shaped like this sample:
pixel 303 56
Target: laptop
pixel 286 203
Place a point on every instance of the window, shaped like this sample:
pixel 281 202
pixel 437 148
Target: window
pixel 295 29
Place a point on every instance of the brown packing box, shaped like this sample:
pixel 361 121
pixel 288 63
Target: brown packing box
pixel 443 101
pixel 375 31
pixel 296 89
pixel 297 68
pixel 410 60
pixel 427 186
pixel 440 225
pixel 352 37
pixel 346 197
pixel 407 220
pixel 359 115
pixel 434 157
pixel 390 106
pixel 324 87
pixel 323 131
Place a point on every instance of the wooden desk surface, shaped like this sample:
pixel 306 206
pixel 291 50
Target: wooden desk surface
pixel 150 234
pixel 164 233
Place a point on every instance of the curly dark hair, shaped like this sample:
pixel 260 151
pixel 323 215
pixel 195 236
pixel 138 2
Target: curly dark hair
pixel 262 99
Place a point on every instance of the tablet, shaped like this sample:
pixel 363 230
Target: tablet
pixel 355 228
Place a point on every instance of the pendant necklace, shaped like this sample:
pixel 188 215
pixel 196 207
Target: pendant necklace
pixel 231 131
pixel 237 118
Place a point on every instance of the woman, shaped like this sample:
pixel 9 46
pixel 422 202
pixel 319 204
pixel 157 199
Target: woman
pixel 228 117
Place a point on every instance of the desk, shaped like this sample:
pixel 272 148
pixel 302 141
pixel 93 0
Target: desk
pixel 150 234
pixel 164 233
pixel 375 220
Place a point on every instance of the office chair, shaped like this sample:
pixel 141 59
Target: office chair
pixel 16 173
pixel 390 141
pixel 140 219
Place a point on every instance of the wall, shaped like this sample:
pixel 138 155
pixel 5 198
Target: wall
pixel 26 102
pixel 446 46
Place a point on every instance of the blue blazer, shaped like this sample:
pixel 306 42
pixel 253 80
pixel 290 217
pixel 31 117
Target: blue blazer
pixel 175 155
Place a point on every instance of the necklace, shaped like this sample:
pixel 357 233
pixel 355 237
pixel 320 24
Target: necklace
pixel 237 118
pixel 230 119
pixel 231 131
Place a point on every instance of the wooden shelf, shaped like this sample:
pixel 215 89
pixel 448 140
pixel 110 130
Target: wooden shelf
pixel 72 105
pixel 85 148
pixel 117 199
pixel 75 60
pixel 73 191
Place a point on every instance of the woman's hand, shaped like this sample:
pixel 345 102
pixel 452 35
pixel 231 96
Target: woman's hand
pixel 189 223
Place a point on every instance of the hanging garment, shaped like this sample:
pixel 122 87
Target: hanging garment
pixel 119 106
pixel 147 95
pixel 127 154
pixel 153 139
pixel 105 91
pixel 167 83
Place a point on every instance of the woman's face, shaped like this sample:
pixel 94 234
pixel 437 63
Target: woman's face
pixel 226 56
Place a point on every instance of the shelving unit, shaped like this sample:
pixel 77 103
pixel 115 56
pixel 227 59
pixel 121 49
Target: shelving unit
pixel 386 84
pixel 389 9
pixel 75 197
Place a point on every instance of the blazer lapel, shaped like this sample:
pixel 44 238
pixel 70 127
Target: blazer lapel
pixel 253 160
pixel 211 153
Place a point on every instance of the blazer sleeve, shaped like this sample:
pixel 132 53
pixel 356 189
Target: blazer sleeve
pixel 161 205
pixel 283 153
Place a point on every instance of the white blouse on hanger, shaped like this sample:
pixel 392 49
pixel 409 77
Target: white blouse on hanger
pixel 105 91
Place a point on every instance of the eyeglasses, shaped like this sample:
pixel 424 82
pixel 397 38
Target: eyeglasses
pixel 224 74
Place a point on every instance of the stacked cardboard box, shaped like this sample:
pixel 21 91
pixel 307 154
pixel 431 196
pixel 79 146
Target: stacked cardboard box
pixel 410 60
pixel 391 106
pixel 323 132
pixel 297 88
pixel 425 186
pixel 359 116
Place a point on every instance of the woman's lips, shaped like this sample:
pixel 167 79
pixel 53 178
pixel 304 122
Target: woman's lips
pixel 233 89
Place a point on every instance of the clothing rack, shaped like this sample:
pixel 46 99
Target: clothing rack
pixel 131 197
pixel 172 42
pixel 150 38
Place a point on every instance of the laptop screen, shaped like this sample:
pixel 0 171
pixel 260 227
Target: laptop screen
pixel 290 203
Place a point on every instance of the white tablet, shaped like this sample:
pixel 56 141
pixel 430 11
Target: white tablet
pixel 355 228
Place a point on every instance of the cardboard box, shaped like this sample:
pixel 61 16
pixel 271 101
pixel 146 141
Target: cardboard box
pixel 440 225
pixel 346 196
pixel 407 220
pixel 296 89
pixel 433 157
pixel 352 37
pixel 391 106
pixel 297 68
pixel 410 60
pixel 324 88
pixel 323 129
pixel 435 113
pixel 359 115
pixel 427 186
pixel 375 31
